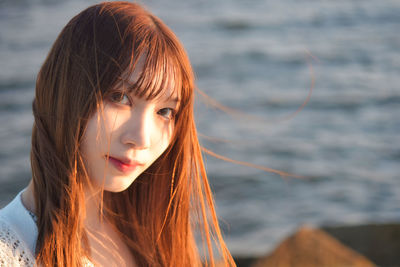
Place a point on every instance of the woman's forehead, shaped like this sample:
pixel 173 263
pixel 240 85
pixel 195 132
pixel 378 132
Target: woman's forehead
pixel 161 83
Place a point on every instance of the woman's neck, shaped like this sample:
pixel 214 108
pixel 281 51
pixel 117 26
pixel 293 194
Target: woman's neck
pixel 93 215
pixel 28 198
pixel 107 246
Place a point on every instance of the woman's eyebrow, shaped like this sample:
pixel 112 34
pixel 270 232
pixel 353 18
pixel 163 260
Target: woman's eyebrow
pixel 169 97
pixel 173 99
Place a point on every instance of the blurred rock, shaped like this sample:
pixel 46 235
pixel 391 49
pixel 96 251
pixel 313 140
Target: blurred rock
pixel 313 247
pixel 240 262
pixel 245 261
pixel 378 242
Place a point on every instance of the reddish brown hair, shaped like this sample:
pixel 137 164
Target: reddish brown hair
pixel 158 214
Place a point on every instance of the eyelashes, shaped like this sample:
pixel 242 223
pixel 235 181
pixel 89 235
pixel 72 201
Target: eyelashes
pixel 122 99
pixel 168 113
pixel 118 97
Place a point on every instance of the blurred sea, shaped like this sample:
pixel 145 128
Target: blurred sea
pixel 254 56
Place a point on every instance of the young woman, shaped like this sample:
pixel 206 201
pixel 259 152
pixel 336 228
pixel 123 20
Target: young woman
pixel 117 173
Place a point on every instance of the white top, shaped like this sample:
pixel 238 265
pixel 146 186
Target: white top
pixel 18 235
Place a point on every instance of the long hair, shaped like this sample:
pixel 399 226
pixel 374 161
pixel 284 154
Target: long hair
pixel 159 215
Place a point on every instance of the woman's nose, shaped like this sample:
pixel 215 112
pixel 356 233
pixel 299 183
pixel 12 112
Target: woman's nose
pixel 137 131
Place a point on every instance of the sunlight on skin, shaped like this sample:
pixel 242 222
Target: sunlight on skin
pixel 127 132
pixel 122 139
pixel 134 131
pixel 107 247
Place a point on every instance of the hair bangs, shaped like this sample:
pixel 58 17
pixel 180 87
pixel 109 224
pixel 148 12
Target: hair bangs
pixel 159 73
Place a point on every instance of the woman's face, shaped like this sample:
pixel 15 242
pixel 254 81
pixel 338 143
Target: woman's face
pixel 125 137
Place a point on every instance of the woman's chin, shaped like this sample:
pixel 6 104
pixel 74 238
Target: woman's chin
pixel 118 187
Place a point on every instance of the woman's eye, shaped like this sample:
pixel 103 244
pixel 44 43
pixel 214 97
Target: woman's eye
pixel 167 113
pixel 120 98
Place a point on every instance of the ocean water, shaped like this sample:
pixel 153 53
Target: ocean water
pixel 262 59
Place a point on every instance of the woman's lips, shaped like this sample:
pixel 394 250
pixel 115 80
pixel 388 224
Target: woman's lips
pixel 123 166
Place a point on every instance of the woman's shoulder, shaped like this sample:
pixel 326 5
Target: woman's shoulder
pixel 13 252
pixel 18 234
